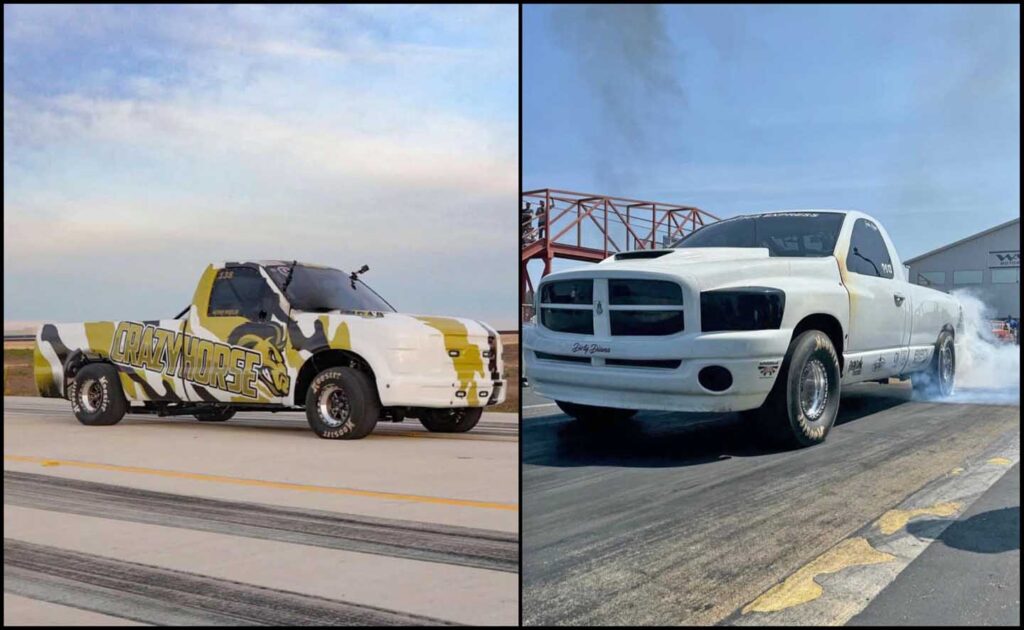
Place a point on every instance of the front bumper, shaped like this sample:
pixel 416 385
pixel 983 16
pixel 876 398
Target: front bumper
pixel 408 391
pixel 754 359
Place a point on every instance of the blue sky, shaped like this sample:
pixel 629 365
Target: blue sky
pixel 142 142
pixel 909 113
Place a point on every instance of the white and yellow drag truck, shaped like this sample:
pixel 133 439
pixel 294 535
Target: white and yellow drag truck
pixel 766 314
pixel 278 336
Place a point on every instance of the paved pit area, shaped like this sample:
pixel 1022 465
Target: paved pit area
pixel 677 519
pixel 256 521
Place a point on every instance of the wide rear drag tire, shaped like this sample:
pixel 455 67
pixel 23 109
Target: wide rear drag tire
pixel 939 380
pixel 96 395
pixel 342 404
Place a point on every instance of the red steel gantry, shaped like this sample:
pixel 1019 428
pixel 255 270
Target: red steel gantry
pixel 552 226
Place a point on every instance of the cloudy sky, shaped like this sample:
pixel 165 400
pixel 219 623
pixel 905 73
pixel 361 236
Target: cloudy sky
pixel 142 142
pixel 910 113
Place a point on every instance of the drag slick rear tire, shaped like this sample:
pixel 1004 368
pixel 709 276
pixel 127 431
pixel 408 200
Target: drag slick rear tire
pixel 342 404
pixel 216 414
pixel 590 413
pixel 96 395
pixel 939 380
pixel 451 420
pixel 802 406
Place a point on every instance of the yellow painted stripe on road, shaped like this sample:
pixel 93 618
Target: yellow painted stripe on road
pixel 280 485
pixel 801 587
pixel 895 520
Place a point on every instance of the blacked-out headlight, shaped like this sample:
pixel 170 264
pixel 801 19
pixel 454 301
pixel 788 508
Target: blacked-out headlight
pixel 746 308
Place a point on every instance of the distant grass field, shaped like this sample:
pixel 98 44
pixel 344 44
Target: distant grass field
pixel 510 356
pixel 18 378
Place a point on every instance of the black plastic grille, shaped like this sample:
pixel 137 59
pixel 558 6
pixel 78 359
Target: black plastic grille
pixel 561 357
pixel 668 364
pixel 564 320
pixel 646 323
pixel 645 292
pixel 568 292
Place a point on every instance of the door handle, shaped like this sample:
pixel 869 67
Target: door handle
pixel 896 297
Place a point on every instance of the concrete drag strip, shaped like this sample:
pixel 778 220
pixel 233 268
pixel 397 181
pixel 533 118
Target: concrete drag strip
pixel 451 481
pixel 493 424
pixel 835 586
pixel 403 539
pixel 681 520
pixel 24 611
pixel 162 596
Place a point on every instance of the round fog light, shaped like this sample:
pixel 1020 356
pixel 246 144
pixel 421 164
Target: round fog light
pixel 715 378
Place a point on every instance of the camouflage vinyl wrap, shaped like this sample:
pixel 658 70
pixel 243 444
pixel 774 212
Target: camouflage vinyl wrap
pixel 415 360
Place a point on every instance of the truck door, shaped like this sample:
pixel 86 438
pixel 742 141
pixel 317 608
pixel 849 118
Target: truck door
pixel 239 354
pixel 878 303
pixel 145 354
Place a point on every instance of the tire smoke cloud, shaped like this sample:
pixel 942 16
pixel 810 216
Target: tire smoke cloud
pixel 988 370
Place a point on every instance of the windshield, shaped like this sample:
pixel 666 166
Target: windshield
pixel 784 234
pixel 322 289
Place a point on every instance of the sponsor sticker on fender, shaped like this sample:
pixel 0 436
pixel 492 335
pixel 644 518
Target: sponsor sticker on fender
pixel 768 369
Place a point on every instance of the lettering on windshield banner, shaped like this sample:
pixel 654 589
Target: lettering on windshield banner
pixel 363 313
pixel 200 361
pixel 589 348
pixel 787 214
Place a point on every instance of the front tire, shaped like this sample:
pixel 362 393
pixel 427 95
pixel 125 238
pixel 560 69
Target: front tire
pixel 96 395
pixel 939 380
pixel 342 404
pixel 804 402
pixel 451 420
pixel 594 414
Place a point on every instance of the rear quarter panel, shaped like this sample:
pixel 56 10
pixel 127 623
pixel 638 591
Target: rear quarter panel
pixel 56 342
pixel 932 311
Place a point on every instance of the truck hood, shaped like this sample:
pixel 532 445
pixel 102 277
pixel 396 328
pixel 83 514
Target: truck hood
pixel 398 327
pixel 676 259
pixel 414 344
pixel 709 267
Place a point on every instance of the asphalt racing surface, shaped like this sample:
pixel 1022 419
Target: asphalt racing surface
pixel 684 519
pixel 256 521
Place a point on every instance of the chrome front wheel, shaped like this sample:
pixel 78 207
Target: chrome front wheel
pixel 334 406
pixel 813 394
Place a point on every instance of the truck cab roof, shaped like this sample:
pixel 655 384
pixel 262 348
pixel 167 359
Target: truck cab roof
pixel 270 263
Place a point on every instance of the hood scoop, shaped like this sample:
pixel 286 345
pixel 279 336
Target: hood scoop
pixel 644 253
pixel 687 256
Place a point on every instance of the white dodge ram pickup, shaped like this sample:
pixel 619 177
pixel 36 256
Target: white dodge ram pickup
pixel 768 314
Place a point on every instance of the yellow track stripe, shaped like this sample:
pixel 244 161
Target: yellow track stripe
pixel 280 485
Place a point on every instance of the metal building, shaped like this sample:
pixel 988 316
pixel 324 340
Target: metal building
pixel 986 263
